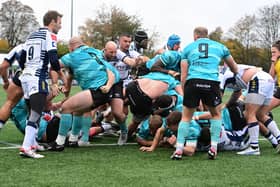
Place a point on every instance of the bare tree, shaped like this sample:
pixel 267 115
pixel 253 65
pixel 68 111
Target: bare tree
pixel 268 25
pixel 17 21
pixel 216 34
pixel 244 32
pixel 108 24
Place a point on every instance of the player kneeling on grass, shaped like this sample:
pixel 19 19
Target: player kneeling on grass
pixel 166 134
pixel 148 129
pixel 48 127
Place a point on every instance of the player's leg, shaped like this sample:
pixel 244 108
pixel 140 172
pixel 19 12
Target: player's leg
pixel 14 94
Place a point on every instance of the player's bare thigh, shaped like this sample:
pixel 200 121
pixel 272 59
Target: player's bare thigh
pixel 80 102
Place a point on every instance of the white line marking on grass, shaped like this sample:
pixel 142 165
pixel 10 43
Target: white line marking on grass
pixel 16 146
pixel 109 144
pixel 5 148
pixel 10 144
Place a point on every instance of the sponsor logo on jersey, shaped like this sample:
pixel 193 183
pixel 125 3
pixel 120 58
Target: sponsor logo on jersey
pixel 53 36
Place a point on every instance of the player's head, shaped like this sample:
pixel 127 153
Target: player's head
pixel 163 105
pixel 173 119
pixel 75 42
pixel 155 122
pixel 200 32
pixel 110 50
pixel 52 20
pixel 124 41
pixel 275 51
pixel 173 42
pixel 141 39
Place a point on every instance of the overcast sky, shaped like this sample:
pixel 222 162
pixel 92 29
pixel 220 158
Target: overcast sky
pixel 166 17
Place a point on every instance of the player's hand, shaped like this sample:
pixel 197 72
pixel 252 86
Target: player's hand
pixel 6 85
pixel 239 82
pixel 174 73
pixel 64 90
pixel 146 149
pixel 55 89
pixel 105 89
pixel 172 140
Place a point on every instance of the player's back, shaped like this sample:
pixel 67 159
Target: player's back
pixel 87 67
pixel 204 56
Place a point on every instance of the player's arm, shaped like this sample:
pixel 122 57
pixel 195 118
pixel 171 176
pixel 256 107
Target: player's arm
pixel 159 67
pixel 68 83
pixel 55 71
pixel 132 62
pixel 4 73
pixel 231 64
pixel 111 80
pixel 184 72
pixel 234 97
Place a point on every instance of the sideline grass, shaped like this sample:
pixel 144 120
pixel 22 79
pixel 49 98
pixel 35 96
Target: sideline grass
pixel 127 166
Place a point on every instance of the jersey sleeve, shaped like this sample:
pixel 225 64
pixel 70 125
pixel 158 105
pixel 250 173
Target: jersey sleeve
pixel 226 52
pixel 66 60
pixel 14 54
pixel 166 57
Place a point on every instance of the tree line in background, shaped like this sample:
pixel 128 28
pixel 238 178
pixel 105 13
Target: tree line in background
pixel 249 40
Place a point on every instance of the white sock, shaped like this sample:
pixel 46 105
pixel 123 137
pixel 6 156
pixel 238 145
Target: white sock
pixel 73 138
pixel 273 128
pixel 106 126
pixel 253 130
pixel 214 145
pixel 29 137
pixel 223 137
pixel 35 143
pixel 60 140
pixel 271 138
pixel 179 147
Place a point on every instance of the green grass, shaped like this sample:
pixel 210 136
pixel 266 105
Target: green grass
pixel 127 166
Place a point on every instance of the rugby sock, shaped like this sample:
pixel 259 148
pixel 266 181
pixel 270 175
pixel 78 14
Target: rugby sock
pixel 271 138
pixel 76 125
pixel 215 130
pixel 223 137
pixel 73 138
pixel 64 126
pixel 123 127
pixel 60 139
pixel 273 128
pixel 182 134
pixel 85 128
pixel 253 130
pixel 105 126
pixel 35 143
pixel 30 133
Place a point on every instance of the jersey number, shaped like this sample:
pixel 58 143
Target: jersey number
pixel 203 48
pixel 30 53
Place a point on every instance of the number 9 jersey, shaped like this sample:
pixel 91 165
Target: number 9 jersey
pixel 203 57
pixel 41 48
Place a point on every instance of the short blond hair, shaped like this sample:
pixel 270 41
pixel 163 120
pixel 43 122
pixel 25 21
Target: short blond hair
pixel 201 32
